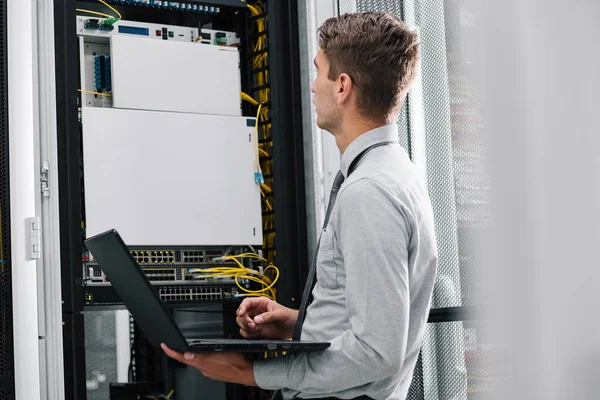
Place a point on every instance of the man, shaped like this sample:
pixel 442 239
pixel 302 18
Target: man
pixel 377 257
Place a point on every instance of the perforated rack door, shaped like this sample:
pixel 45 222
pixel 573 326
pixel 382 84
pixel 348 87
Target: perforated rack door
pixel 454 361
pixel 6 340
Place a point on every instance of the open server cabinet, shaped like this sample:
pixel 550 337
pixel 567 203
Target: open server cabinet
pixel 268 72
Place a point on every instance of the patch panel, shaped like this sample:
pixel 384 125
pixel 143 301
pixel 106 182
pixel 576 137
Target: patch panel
pixel 98 73
pixel 175 273
pixel 188 293
pixel 107 74
pixel 188 277
pixel 193 256
pixel 153 256
pixel 171 5
pixel 92 69
pixel 170 267
pixel 161 274
pixel 182 294
pixel 200 256
pixel 102 75
pixel 174 256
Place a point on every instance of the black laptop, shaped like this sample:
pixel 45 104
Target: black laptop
pixel 134 289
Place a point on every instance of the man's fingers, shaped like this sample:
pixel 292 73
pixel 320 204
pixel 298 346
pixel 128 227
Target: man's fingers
pixel 248 321
pixel 241 309
pixel 171 353
pixel 246 305
pixel 252 303
pixel 248 335
pixel 174 354
pixel 245 323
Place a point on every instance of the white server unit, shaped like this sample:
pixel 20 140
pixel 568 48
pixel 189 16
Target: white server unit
pixel 171 178
pixel 157 67
pixel 175 76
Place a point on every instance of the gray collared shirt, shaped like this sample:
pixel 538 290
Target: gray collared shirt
pixel 375 273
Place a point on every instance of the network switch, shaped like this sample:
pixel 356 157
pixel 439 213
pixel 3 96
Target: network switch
pixel 170 295
pixel 166 273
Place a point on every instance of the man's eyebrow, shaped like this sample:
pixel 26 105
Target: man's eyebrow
pixel 315 61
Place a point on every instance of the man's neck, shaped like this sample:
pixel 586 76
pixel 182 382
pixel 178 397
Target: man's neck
pixel 352 129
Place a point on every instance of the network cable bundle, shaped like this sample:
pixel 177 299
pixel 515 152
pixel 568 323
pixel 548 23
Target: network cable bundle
pixel 168 159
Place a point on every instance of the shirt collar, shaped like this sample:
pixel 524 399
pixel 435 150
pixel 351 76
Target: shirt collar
pixel 386 133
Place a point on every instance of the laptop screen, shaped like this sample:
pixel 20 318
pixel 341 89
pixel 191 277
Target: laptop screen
pixel 134 289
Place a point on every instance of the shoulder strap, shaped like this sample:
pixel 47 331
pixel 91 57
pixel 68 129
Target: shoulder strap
pixel 362 155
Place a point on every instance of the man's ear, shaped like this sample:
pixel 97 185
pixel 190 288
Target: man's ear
pixel 344 88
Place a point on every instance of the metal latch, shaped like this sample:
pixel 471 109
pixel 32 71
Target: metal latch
pixel 33 238
pixel 44 178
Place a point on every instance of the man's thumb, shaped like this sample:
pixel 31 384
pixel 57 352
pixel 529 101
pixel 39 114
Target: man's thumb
pixel 265 317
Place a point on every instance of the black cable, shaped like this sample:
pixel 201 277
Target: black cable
pixel 130 368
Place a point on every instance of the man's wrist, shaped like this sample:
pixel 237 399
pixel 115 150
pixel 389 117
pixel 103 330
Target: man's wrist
pixel 248 376
pixel 292 319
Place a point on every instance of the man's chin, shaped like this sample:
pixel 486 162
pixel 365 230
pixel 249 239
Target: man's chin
pixel 320 124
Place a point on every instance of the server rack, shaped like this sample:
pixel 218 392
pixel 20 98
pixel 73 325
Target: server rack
pixel 288 200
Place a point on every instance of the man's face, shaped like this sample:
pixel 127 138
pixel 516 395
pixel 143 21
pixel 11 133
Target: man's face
pixel 324 95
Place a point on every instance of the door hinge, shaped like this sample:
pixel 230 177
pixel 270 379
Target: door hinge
pixel 33 238
pixel 44 178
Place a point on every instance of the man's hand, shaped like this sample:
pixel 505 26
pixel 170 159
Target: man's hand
pixel 259 317
pixel 226 367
